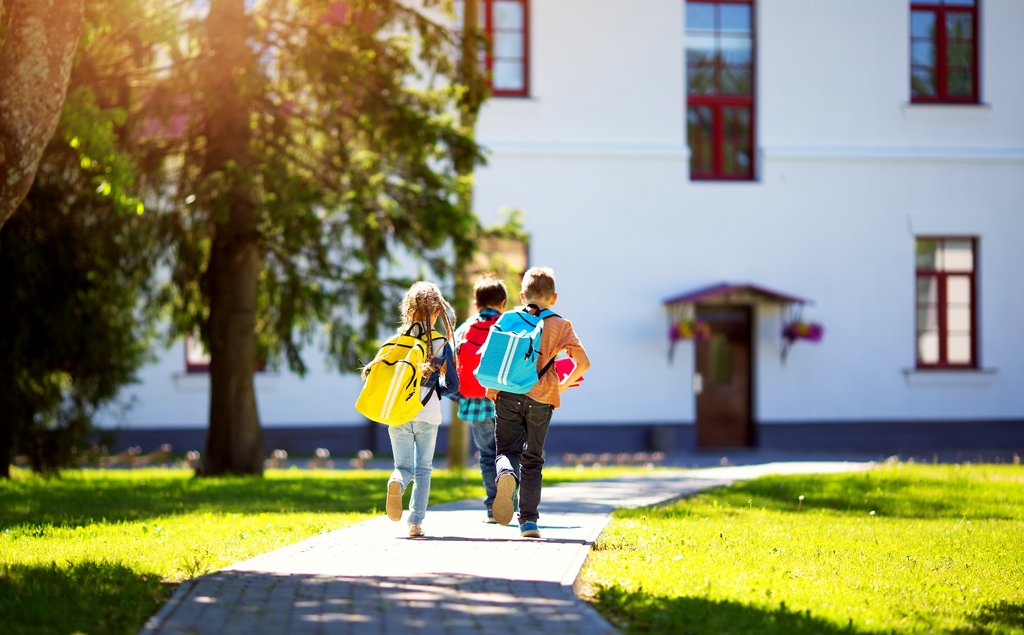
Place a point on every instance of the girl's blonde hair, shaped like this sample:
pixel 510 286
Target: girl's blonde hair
pixel 421 301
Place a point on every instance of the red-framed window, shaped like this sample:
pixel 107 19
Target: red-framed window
pixel 507 59
pixel 720 89
pixel 944 51
pixel 946 297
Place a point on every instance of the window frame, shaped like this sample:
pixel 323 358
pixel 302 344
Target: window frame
pixel 488 29
pixel 718 103
pixel 942 276
pixel 940 10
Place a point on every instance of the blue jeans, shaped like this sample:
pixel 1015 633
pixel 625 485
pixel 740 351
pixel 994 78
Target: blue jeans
pixel 483 439
pixel 412 445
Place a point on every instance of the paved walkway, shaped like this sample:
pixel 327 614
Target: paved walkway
pixel 465 576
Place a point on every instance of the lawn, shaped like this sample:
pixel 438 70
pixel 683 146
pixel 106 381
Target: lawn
pixel 99 551
pixel 901 548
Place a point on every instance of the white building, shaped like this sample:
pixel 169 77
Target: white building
pixel 864 155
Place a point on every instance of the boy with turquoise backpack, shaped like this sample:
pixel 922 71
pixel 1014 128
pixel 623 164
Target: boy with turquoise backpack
pixel 516 368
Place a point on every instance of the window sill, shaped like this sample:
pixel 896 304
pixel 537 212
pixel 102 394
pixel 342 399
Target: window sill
pixel 945 110
pixel 950 377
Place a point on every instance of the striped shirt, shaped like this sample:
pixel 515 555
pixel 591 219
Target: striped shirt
pixel 557 336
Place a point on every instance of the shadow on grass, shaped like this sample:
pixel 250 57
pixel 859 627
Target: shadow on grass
pixel 80 499
pixel 73 501
pixel 641 612
pixel 913 495
pixel 89 597
pixel 1001 617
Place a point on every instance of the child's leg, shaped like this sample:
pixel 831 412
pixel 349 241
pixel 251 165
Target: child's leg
pixel 538 417
pixel 483 438
pixel 402 448
pixel 425 435
pixel 509 433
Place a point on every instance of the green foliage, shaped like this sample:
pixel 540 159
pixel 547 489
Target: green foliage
pixel 351 108
pixel 78 257
pixel 896 549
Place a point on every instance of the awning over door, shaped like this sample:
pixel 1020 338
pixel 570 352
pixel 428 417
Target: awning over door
pixel 733 293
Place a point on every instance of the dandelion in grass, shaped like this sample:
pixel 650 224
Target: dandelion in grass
pixel 800 502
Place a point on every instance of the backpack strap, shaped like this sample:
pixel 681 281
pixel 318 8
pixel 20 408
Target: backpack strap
pixel 543 314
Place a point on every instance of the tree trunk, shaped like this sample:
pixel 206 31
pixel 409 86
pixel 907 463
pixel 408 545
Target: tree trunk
pixel 469 106
pixel 234 441
pixel 35 64
pixel 6 431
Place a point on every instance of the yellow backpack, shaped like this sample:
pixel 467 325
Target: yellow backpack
pixel 391 393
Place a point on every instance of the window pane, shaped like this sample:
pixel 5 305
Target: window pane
pixel 698 130
pixel 736 81
pixel 508 15
pixel 700 16
pixel 922 82
pixel 958 319
pixel 700 80
pixel 735 18
pixel 700 48
pixel 735 49
pixel 927 251
pixel 927 293
pixel 959 82
pixel 927 317
pixel 508 45
pixel 928 347
pixel 957 255
pixel 959 54
pixel 922 24
pixel 959 26
pixel 508 75
pixel 958 348
pixel 958 291
pixel 922 54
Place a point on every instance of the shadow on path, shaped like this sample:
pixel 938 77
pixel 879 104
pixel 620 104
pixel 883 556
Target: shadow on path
pixel 255 603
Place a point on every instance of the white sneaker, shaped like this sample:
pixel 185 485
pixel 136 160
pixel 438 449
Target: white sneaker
pixel 415 531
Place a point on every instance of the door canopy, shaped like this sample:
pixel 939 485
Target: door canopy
pixel 681 309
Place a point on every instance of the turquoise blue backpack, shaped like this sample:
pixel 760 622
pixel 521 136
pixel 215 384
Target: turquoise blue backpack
pixel 508 359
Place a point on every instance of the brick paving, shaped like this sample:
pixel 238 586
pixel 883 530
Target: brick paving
pixel 464 577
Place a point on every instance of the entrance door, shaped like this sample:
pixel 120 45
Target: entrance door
pixel 723 381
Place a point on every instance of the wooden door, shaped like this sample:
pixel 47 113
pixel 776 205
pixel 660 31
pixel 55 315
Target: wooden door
pixel 723 381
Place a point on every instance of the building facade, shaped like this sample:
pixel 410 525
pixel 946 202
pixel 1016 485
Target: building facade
pixel 718 184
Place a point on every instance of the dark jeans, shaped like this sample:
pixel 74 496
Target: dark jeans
pixel 520 430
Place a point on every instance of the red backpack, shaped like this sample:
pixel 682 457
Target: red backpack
pixel 468 351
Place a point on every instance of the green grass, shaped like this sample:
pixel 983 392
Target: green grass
pixel 901 548
pixel 99 551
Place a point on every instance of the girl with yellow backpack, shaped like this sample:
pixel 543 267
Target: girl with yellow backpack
pixel 403 386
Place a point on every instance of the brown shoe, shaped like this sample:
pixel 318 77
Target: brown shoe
pixel 394 502
pixel 503 508
pixel 415 531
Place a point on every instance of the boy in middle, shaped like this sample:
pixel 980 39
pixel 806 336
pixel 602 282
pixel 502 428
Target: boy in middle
pixel 489 296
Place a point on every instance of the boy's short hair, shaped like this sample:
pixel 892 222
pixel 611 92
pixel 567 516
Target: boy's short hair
pixel 538 283
pixel 489 291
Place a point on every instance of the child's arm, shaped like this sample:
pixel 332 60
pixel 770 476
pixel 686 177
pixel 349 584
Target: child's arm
pixel 578 355
pixel 451 375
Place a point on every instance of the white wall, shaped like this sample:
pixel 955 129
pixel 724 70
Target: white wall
pixel 848 173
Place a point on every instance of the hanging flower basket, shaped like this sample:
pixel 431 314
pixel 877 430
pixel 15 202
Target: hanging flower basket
pixel 689 329
pixel 795 330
